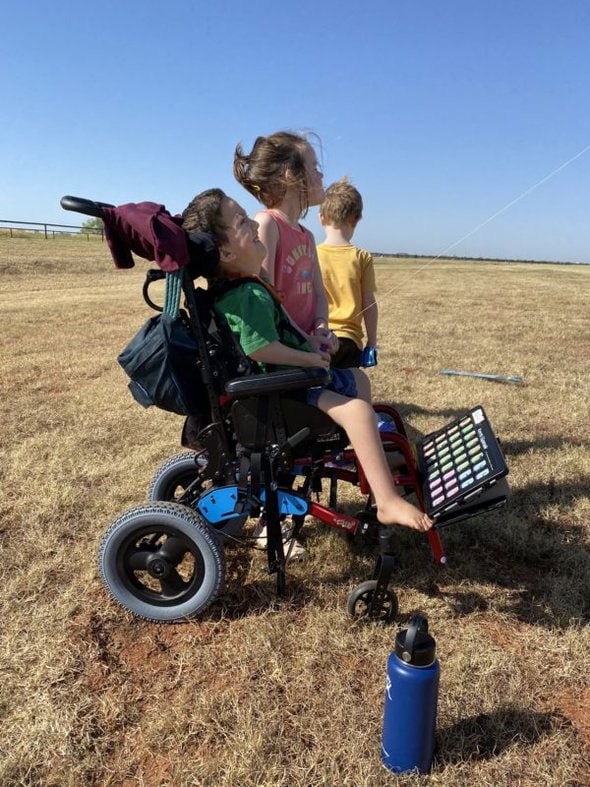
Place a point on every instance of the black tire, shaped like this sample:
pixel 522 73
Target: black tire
pixel 162 562
pixel 178 478
pixel 385 609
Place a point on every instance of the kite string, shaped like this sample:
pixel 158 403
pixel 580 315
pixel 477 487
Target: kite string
pixel 482 224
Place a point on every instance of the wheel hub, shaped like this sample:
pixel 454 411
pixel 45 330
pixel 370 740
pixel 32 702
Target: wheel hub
pixel 157 567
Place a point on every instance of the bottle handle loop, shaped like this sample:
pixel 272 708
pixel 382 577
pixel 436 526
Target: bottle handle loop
pixel 417 623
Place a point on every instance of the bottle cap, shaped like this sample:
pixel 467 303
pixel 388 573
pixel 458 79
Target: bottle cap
pixel 414 645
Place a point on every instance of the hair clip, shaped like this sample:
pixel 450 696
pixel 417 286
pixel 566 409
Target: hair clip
pixel 255 187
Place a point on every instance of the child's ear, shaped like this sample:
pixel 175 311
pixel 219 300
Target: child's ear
pixel 321 218
pixel 225 255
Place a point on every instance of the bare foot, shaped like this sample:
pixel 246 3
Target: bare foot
pixel 399 512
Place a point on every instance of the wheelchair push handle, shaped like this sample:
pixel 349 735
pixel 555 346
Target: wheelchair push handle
pixel 87 206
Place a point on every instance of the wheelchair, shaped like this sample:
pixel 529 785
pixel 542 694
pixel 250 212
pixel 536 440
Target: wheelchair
pixel 256 451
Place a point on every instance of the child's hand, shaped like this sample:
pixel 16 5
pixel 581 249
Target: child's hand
pixel 321 359
pixel 328 339
pixel 319 346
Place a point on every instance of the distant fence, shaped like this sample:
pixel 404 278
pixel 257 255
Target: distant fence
pixel 49 230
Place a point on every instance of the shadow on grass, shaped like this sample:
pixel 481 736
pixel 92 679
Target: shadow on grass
pixel 253 591
pixel 544 564
pixel 517 447
pixel 407 410
pixel 531 560
pixel 487 735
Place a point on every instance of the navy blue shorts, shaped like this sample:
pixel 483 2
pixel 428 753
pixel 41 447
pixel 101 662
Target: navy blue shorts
pixel 342 383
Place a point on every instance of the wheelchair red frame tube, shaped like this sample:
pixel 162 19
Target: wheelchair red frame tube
pixel 342 521
pixel 350 524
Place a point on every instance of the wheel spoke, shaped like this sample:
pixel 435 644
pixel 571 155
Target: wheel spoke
pixel 173 584
pixel 173 550
pixel 138 560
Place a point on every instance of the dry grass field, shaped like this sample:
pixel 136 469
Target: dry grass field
pixel 260 691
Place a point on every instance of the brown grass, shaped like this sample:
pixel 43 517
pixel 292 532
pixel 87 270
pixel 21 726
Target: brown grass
pixel 267 692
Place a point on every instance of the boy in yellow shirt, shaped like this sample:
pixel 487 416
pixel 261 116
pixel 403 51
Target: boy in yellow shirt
pixel 349 278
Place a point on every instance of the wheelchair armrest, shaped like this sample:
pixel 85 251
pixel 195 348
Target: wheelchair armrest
pixel 273 382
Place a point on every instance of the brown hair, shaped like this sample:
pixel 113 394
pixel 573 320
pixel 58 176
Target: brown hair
pixel 342 204
pixel 203 214
pixel 274 163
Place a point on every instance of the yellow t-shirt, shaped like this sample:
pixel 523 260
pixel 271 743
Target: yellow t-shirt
pixel 347 273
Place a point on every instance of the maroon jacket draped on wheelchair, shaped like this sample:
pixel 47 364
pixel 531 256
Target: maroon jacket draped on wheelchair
pixel 150 231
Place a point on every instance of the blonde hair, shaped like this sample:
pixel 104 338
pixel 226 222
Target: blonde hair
pixel 274 164
pixel 342 205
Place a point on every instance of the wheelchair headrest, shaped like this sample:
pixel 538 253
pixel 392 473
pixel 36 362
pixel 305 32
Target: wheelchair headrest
pixel 203 255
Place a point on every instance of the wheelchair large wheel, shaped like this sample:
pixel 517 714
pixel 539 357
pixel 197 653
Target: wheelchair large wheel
pixel 363 604
pixel 162 562
pixel 178 479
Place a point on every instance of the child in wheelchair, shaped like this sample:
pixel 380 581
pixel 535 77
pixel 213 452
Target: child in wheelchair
pixel 164 560
pixel 268 336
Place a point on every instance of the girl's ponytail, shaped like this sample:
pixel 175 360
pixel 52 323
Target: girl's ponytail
pixel 242 173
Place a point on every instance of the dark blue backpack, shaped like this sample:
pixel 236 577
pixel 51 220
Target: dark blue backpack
pixel 166 367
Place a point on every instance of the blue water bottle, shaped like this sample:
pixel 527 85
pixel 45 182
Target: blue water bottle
pixel 411 695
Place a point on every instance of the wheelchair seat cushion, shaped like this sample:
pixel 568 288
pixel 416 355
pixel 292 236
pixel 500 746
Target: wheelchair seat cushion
pixel 258 421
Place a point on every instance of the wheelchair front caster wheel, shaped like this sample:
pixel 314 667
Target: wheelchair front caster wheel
pixel 162 562
pixel 367 603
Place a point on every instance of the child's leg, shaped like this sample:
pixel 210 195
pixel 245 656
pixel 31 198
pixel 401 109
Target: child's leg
pixel 394 457
pixel 357 417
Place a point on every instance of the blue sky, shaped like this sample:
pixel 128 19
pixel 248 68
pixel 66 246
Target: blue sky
pixel 465 124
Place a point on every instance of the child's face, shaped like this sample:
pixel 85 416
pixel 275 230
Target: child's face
pixel 315 184
pixel 243 252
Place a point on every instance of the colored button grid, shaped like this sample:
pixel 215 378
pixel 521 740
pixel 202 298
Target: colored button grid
pixel 455 461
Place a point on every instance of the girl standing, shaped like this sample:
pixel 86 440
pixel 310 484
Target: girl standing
pixel 282 173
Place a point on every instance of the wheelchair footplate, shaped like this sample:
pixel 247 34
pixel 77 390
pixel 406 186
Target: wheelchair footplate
pixel 462 469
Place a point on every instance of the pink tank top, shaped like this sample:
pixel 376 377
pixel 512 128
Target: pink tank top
pixel 294 271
